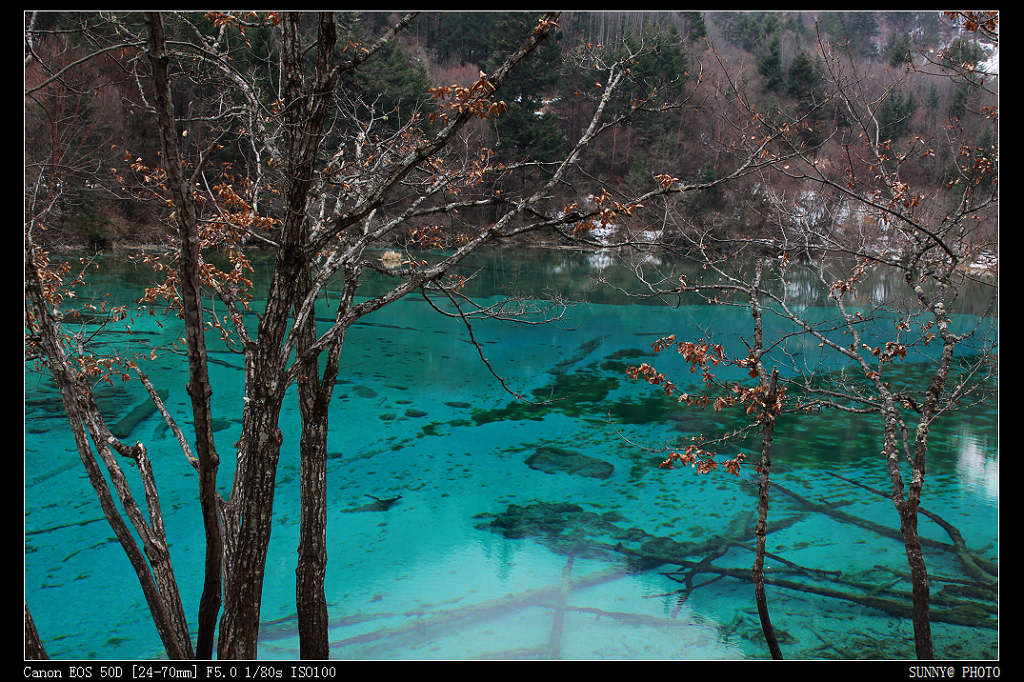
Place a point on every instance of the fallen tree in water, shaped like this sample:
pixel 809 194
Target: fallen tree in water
pixel 575 532
pixel 569 529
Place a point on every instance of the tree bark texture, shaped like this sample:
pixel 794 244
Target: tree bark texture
pixel 198 387
pixel 34 650
pixel 314 405
pixel 305 106
pixel 311 566
pixel 760 531
pixel 907 510
pixel 250 517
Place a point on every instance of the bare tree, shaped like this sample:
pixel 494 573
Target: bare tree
pixel 323 182
pixel 926 242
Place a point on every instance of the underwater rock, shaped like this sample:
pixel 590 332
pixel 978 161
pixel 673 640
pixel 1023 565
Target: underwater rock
pixel 576 394
pixel 550 459
pixel 548 519
pixel 664 547
pixel 78 317
pixel 110 399
pixel 49 407
pixel 580 387
pixel 364 392
pixel 566 528
pixel 630 353
pixel 220 423
pixel 415 413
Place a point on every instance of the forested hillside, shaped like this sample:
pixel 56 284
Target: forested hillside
pixel 88 119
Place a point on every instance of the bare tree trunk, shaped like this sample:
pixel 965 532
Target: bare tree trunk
pixel 311 567
pixel 907 511
pixel 310 598
pixel 34 650
pixel 199 384
pixel 250 515
pixel 764 469
pixel 919 581
pixel 768 413
pixel 152 566
pixel 305 106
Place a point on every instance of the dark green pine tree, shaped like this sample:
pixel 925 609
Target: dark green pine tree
pixel 770 67
pixel 659 70
pixel 987 150
pixel 895 114
pixel 898 49
pixel 803 80
pixel 851 30
pixel 749 30
pixel 392 84
pixel 526 129
pixel 805 87
pixel 710 198
pixel 963 53
pixel 655 77
pixel 695 26
pixel 958 103
pixel 461 37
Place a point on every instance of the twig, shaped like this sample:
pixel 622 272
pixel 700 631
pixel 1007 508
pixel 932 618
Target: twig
pixel 479 349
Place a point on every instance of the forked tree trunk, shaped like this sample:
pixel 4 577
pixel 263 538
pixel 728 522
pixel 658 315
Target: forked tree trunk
pixel 148 554
pixel 250 518
pixel 248 514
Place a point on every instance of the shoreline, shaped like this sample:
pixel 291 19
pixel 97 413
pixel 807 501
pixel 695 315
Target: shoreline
pixel 984 268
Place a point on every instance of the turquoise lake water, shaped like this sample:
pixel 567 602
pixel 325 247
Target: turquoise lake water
pixel 452 570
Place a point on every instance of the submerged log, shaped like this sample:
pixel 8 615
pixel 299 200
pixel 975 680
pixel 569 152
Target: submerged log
pixel 437 622
pixel 894 603
pixel 378 504
pixel 563 525
pixel 123 428
pixel 977 567
pixel 550 460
